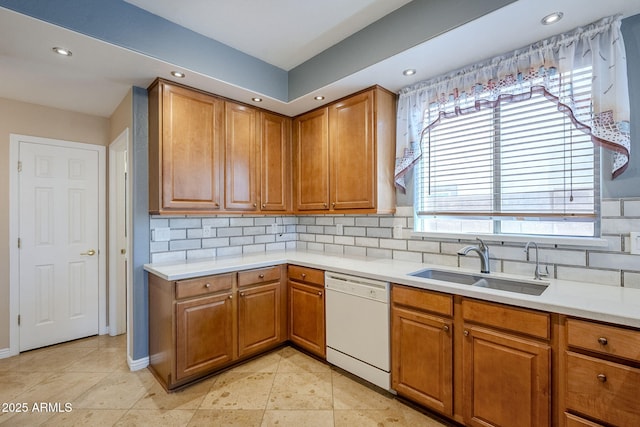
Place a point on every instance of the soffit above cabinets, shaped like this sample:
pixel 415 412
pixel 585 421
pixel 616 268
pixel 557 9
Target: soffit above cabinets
pixel 117 45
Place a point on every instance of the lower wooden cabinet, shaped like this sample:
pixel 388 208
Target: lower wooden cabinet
pixel 261 310
pixel 481 364
pixel 601 373
pixel 506 365
pixel 507 379
pixel 306 309
pixel 422 348
pixel 204 334
pixel 198 326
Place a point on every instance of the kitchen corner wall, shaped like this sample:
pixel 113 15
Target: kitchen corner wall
pixel 373 235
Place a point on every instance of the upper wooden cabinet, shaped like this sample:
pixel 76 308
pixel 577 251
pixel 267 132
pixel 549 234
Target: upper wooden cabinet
pixel 344 155
pixel 185 149
pixel 241 168
pixel 275 163
pixel 311 161
pixel 211 155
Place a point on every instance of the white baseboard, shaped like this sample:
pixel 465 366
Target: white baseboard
pixel 6 352
pixel 136 365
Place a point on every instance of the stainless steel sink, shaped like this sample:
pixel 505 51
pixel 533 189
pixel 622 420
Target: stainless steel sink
pixel 509 285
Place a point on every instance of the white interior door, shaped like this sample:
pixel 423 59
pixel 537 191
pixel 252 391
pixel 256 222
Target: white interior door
pixel 59 242
pixel 119 232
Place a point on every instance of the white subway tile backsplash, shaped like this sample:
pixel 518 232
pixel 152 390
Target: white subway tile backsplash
pixel 602 277
pixel 373 236
pixel 610 208
pixel 398 244
pixel 185 223
pixel 177 245
pixel 631 208
pixel 240 222
pixel 407 256
pixel 423 246
pixel 367 221
pixel 201 253
pixel 379 232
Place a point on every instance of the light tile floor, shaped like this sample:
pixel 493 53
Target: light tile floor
pixel 87 382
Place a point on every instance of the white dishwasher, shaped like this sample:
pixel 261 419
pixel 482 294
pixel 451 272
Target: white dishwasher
pixel 357 316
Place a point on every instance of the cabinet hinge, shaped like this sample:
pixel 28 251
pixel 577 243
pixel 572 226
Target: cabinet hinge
pixel 19 166
pixel 19 243
pixel 18 320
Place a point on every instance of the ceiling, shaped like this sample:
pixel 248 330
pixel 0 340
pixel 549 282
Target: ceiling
pixel 99 74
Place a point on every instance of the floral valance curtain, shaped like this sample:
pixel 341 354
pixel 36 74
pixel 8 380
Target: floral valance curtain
pixel 544 67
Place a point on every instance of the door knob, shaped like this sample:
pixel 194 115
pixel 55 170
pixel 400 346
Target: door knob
pixel 90 252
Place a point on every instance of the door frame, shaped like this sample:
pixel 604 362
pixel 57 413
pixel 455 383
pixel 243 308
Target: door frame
pixel 121 143
pixel 14 228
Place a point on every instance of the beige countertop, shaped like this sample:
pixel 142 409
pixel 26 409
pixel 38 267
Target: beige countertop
pixel 596 302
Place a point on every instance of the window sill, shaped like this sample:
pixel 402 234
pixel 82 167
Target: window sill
pixel 583 242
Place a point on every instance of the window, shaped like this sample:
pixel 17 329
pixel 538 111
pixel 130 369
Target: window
pixel 513 167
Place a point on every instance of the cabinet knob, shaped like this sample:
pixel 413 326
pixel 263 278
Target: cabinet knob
pixel 333 205
pixel 255 204
pixel 241 294
pixel 304 275
pixel 216 204
pixel 602 378
pixel 264 206
pixel 319 293
pixel 261 276
pixel 445 328
pixel 230 296
pixel 324 204
pixel 603 341
pixel 207 285
pixel 466 333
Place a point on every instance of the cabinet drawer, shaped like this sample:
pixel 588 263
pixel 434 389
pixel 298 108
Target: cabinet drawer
pixel 422 299
pixel 604 390
pixel 203 285
pixel 605 339
pixel 571 420
pixel 528 322
pixel 259 275
pixel 306 274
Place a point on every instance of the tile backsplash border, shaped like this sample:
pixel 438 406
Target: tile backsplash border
pixel 373 235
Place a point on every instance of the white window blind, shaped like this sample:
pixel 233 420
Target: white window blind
pixel 518 161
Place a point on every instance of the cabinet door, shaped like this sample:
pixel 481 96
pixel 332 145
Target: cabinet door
pixel 352 152
pixel 422 359
pixel 204 334
pixel 311 162
pixel 506 379
pixel 240 158
pixel 259 318
pixel 275 160
pixel 306 317
pixel 191 149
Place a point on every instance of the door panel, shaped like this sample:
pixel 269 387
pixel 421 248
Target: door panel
pixel 58 191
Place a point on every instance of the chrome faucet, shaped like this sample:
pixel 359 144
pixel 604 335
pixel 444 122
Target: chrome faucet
pixel 482 250
pixel 537 275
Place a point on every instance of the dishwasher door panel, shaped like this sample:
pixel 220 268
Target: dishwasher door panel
pixel 358 327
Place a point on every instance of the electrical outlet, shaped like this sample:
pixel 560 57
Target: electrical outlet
pixel 162 234
pixel 207 230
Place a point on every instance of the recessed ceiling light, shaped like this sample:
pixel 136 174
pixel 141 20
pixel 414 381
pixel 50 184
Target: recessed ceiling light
pixel 318 98
pixel 62 51
pixel 552 18
pixel 409 72
pixel 177 74
pixel 256 99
